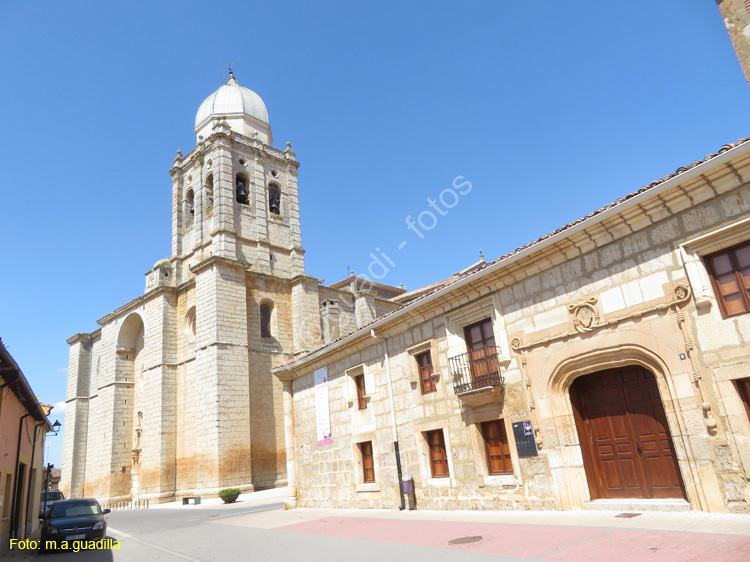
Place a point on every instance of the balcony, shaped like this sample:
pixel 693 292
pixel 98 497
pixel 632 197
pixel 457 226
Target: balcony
pixel 476 375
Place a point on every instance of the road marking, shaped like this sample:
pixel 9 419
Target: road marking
pixel 156 546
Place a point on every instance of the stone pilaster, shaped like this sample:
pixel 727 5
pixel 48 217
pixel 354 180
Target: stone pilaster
pixel 76 415
pixel 222 360
pixel 291 459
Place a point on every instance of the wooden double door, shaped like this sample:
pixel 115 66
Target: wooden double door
pixel 625 440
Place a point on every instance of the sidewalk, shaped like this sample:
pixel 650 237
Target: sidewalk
pixel 263 497
pixel 560 536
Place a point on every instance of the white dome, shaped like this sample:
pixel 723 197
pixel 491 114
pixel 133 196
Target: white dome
pixel 231 99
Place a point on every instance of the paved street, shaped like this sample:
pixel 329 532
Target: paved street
pixel 256 528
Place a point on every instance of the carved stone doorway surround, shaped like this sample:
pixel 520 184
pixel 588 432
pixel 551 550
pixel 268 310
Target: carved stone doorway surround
pixel 569 476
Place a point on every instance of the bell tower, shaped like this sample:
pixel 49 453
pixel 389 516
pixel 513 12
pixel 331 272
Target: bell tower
pixel 238 263
pixel 235 196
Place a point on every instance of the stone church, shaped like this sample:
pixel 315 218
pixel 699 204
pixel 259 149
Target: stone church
pixel 173 394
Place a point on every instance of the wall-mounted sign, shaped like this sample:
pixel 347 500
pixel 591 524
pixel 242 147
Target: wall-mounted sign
pixel 523 431
pixel 322 413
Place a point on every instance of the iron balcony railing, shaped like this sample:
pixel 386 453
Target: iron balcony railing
pixel 475 369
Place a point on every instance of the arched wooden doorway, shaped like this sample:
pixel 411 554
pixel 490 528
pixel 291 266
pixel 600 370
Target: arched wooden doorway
pixel 625 440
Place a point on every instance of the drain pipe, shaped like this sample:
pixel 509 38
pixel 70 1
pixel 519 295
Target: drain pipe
pixel 393 419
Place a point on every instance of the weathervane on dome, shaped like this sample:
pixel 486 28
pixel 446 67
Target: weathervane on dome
pixel 231 74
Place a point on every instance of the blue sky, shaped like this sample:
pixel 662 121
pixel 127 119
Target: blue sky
pixel 551 110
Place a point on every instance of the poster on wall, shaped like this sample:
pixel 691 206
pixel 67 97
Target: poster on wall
pixel 525 442
pixel 322 413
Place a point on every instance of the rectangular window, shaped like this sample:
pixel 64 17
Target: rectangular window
pixel 730 275
pixel 496 448
pixel 424 361
pixel 359 381
pixel 438 455
pixel 368 463
pixel 743 386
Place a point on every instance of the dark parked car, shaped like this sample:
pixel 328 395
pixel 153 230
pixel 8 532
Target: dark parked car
pixel 48 498
pixel 74 520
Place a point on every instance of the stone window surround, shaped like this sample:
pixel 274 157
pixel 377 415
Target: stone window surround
pixel 274 324
pixel 469 314
pixel 361 486
pixel 474 423
pixel 423 451
pixel 351 386
pixel 413 369
pixel 693 251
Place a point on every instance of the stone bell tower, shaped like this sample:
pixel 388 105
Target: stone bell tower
pixel 174 391
pixel 235 196
pixel 236 234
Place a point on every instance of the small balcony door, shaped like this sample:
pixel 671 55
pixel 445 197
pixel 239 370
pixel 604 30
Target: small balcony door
pixel 480 343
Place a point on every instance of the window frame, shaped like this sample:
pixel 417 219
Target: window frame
pixel 435 441
pixel 427 382
pixel 359 384
pixel 505 456
pixel 743 389
pixel 367 455
pixel 738 277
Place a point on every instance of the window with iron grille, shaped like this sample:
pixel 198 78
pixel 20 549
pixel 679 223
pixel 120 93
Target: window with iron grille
pixel 424 362
pixel 438 454
pixel 496 447
pixel 368 462
pixel 359 381
pixel 730 276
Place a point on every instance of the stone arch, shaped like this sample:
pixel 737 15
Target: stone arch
pixel 572 481
pixel 267 313
pixel 129 373
pixel 274 198
pixel 189 206
pixel 242 188
pixel 131 331
pixel 209 187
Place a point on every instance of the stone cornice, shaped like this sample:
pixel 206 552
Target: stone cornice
pixel 133 303
pixel 79 337
pixel 197 268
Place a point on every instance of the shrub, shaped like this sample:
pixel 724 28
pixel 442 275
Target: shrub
pixel 229 492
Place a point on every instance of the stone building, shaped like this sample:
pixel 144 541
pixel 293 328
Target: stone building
pixel 736 16
pixel 601 366
pixel 172 394
pixel 23 430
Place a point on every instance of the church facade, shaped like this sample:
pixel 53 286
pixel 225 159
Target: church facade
pixel 173 393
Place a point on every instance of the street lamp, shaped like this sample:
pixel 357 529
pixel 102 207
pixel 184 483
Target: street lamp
pixel 56 427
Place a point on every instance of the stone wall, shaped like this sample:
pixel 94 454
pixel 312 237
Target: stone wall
pixel 629 288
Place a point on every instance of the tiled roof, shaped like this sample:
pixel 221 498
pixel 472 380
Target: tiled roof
pixel 416 292
pixel 446 283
